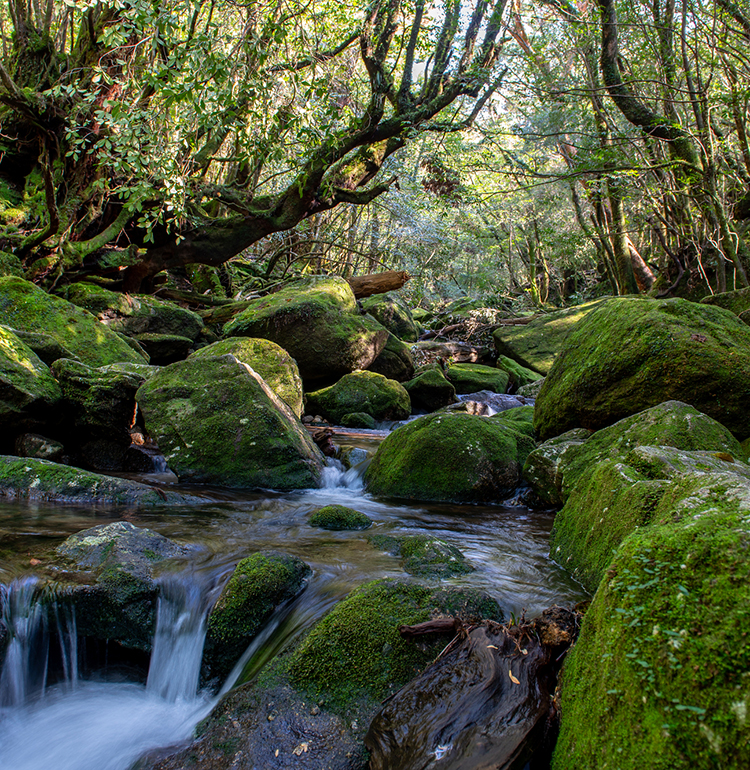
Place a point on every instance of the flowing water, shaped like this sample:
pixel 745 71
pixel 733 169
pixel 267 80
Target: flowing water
pixel 108 718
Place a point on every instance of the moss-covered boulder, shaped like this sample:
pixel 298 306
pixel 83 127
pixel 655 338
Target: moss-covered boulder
pixel 394 361
pixel 271 362
pixel 519 418
pixel 358 420
pixel 659 675
pixel 10 264
pixel 163 349
pixel 99 402
pixel 339 517
pixel 28 391
pixel 631 353
pixel 115 592
pixel 28 308
pixel 368 392
pixel 736 302
pixel 518 376
pixel 135 314
pixel 218 422
pixel 25 478
pixel 470 378
pixel 44 345
pixel 535 345
pixel 425 556
pixel 430 390
pixel 356 652
pixel 40 447
pixel 391 310
pixel 258 585
pixel 531 390
pixel 316 321
pixel 458 458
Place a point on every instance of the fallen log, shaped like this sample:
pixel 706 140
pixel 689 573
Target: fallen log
pixel 481 704
pixel 377 283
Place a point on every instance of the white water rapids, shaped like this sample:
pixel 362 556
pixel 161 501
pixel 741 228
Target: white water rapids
pixel 97 725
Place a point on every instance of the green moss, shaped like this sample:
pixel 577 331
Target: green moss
pixel 368 392
pixel 356 651
pixel 391 311
pixel 358 420
pixel 316 321
pixel 471 378
pixel 271 362
pixel 10 264
pixel 449 457
pixel 218 422
pixel 339 517
pixel 394 361
pixel 632 353
pixel 26 307
pixel 518 375
pixel 520 418
pixel 734 301
pixel 258 585
pixel 659 675
pixel 425 556
pixel 430 390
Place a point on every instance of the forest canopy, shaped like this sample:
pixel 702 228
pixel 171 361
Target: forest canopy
pixel 487 147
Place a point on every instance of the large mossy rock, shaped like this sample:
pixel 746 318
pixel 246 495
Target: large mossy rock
pixel 367 392
pixel 471 378
pixel 631 353
pixel 26 478
pixel 735 301
pixel 430 390
pixel 115 591
pixel 518 376
pixel 392 312
pixel 218 422
pixel 28 308
pixel 28 391
pixel 271 362
pixel 258 585
pixel 316 321
pixel 458 458
pixel 99 402
pixel 135 314
pixel 394 361
pixel 535 345
pixel 659 675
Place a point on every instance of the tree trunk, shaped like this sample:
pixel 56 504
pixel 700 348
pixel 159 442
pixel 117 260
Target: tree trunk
pixel 378 283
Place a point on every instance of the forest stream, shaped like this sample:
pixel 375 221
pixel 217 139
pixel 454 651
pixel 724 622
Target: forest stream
pixel 66 707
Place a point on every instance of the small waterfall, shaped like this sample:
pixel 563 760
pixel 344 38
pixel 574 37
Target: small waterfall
pixel 181 615
pixel 336 476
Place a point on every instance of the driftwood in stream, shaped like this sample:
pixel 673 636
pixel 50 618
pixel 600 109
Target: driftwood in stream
pixel 323 437
pixel 378 283
pixel 482 704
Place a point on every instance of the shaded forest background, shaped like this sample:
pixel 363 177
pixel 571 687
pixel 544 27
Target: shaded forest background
pixel 543 152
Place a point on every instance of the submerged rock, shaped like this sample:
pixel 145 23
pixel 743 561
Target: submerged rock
pixel 218 422
pixel 449 457
pixel 425 556
pixel 119 561
pixel 339 517
pixel 28 308
pixel 26 478
pixel 316 321
pixel 368 392
pixel 269 360
pixel 258 585
pixel 631 353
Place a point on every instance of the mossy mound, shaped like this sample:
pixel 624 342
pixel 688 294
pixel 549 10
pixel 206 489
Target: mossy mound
pixel 430 390
pixel 339 517
pixel 394 361
pixel 31 479
pixel 735 301
pixel 471 378
pixel 392 312
pixel 45 346
pixel 135 314
pixel 425 556
pixel 356 652
pixel 316 321
pixel 258 585
pixel 10 264
pixel 358 420
pixel 28 308
pixel 27 389
pixel 536 345
pixel 99 402
pixel 163 349
pixel 271 362
pixel 659 675
pixel 518 376
pixel 368 392
pixel 218 422
pixel 449 457
pixel 119 561
pixel 631 353
pixel 520 418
